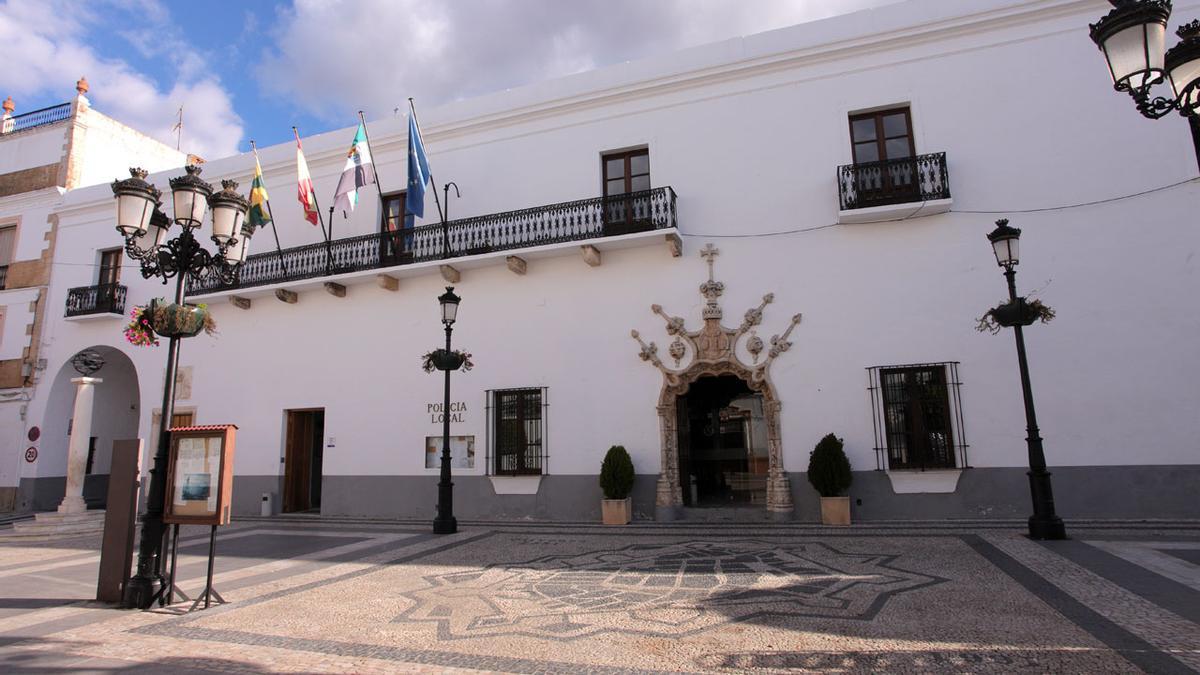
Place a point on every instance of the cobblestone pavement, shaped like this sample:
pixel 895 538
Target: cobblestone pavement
pixel 325 595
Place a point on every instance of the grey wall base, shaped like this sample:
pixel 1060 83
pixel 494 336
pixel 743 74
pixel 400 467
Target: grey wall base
pixel 1123 492
pixel 45 494
pixel 1126 492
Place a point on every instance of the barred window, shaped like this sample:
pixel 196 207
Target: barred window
pixel 518 430
pixel 917 415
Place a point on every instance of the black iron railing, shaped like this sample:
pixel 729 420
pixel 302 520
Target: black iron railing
pixel 894 181
pixel 3 276
pixel 37 118
pixel 99 299
pixel 539 226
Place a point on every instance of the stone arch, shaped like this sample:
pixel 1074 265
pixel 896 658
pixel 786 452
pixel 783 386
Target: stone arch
pixel 669 494
pixel 116 416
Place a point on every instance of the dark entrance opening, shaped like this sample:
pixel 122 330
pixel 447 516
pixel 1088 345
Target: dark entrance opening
pixel 722 443
pixel 302 460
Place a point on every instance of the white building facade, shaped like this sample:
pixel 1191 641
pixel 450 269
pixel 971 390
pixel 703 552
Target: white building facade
pixel 839 178
pixel 43 155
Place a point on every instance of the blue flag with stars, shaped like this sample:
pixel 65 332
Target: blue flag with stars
pixel 418 171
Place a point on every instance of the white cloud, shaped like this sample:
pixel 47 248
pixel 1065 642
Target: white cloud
pixel 46 51
pixel 332 58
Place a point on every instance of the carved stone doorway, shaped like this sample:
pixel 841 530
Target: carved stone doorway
pixel 713 352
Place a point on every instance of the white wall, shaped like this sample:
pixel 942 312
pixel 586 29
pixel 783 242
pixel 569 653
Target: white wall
pixel 749 133
pixel 33 148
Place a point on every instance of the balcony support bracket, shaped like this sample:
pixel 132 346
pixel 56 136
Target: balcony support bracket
pixel 239 302
pixel 289 297
pixel 335 289
pixel 516 265
pixel 451 275
pixel 591 255
pixel 387 282
pixel 674 244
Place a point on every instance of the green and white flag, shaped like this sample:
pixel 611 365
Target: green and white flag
pixel 358 172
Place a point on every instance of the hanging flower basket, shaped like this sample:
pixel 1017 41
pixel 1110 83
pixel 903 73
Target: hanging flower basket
pixel 440 359
pixel 139 332
pixel 172 320
pixel 1019 312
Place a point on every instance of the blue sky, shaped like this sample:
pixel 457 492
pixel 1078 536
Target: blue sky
pixel 252 69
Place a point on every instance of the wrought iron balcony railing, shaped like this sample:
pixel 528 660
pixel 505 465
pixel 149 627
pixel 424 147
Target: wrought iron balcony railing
pixel 98 299
pixel 36 118
pixel 538 226
pixel 894 181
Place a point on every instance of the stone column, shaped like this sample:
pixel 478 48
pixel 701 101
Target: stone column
pixel 81 434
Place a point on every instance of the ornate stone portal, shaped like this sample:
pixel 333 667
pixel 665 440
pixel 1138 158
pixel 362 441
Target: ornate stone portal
pixel 713 351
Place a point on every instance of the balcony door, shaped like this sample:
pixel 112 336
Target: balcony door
pixel 884 168
pixel 626 192
pixel 108 280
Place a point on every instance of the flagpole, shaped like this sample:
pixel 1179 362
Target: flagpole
pixel 433 184
pixel 278 248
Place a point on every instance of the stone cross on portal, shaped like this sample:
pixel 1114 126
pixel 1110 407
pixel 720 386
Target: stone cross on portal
pixel 709 252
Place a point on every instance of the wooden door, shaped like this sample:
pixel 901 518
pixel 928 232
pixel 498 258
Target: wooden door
pixel 303 460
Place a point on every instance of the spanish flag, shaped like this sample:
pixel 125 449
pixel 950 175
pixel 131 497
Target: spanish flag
pixel 260 214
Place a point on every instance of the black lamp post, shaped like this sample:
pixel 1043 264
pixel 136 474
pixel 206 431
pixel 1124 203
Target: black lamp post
pixel 145 229
pixel 1044 523
pixel 445 522
pixel 1133 37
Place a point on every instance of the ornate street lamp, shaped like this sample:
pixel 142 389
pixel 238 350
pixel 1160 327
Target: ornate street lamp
pixel 1044 523
pixel 146 230
pixel 445 522
pixel 1133 37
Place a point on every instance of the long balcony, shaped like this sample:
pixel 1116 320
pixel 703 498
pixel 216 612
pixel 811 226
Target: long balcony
pixel 36 118
pixel 624 217
pixel 101 300
pixel 893 188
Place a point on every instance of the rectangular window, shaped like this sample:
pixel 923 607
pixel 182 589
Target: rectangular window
pixel 918 416
pixel 626 177
pixel 518 431
pixel 8 239
pixel 882 144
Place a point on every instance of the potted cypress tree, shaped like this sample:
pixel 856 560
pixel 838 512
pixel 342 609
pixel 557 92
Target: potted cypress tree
pixel 829 473
pixel 616 481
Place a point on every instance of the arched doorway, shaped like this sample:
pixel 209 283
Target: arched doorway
pixel 115 416
pixel 723 456
pixel 724 366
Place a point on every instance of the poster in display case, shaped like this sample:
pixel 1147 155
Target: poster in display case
pixel 200 475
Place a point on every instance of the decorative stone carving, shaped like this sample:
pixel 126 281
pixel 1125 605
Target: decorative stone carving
pixel 713 351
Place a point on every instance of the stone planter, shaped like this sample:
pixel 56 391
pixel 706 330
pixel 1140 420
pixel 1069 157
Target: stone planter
pixel 835 510
pixel 177 320
pixel 616 511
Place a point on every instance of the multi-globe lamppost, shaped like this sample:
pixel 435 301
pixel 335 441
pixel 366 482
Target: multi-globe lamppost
pixel 146 230
pixel 445 523
pixel 1133 38
pixel 1044 523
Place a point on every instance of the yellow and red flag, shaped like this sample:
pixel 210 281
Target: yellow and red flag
pixel 304 186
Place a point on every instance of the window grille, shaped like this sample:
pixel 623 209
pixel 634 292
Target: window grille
pixel 517 432
pixel 916 413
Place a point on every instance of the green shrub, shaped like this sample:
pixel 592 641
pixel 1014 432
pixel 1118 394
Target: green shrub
pixel 828 468
pixel 616 473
